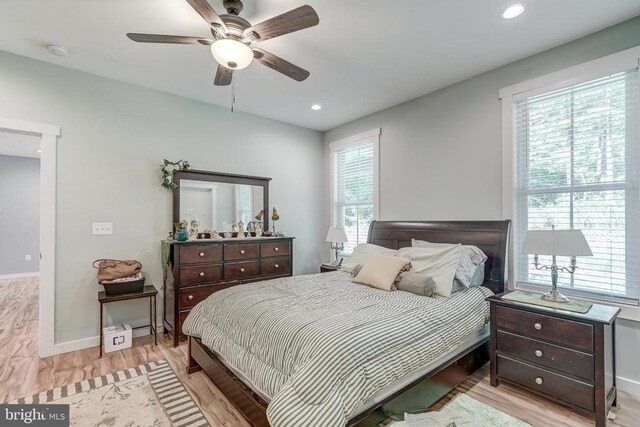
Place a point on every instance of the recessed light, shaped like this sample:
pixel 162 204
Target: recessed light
pixel 512 11
pixel 57 50
pixel 38 151
pixel 316 107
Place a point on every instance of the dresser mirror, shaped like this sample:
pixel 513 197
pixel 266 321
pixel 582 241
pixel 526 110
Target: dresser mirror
pixel 218 200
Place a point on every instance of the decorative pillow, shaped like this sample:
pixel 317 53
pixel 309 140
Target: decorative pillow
pixel 416 283
pixel 470 258
pixel 356 270
pixel 380 271
pixel 438 262
pixel 361 255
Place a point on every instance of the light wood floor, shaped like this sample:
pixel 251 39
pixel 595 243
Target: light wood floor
pixel 23 373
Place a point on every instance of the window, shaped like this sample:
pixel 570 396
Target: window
pixel 354 185
pixel 244 205
pixel 573 168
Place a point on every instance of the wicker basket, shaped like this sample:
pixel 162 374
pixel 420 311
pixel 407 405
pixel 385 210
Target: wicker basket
pixel 120 288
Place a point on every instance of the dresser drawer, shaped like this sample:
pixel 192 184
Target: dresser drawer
pixel 241 270
pixel 275 266
pixel 200 274
pixel 198 254
pixel 558 386
pixel 549 355
pixel 240 251
pixel 547 328
pixel 272 249
pixel 190 296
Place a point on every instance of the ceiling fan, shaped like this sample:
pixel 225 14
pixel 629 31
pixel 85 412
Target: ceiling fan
pixel 233 37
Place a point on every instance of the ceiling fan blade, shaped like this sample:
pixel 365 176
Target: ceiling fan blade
pixel 280 65
pixel 294 20
pixel 223 76
pixel 205 10
pixel 163 38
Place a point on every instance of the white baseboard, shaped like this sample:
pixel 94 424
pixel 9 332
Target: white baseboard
pixel 18 275
pixel 627 385
pixel 69 346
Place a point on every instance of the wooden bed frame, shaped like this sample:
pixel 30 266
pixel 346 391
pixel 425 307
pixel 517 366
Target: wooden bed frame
pixel 490 236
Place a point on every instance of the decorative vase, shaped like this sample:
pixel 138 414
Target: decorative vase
pixel 182 234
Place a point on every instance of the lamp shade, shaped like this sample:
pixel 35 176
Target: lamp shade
pixel 337 235
pixel 232 54
pixel 556 242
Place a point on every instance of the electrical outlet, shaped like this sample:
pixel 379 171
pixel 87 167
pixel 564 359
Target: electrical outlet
pixel 27 257
pixel 101 228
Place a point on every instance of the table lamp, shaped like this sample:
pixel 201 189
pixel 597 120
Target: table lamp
pixel 337 236
pixel 555 243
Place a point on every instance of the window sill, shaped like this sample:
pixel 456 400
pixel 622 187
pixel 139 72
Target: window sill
pixel 629 312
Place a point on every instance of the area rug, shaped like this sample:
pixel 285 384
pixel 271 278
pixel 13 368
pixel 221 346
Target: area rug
pixel 461 411
pixel 147 395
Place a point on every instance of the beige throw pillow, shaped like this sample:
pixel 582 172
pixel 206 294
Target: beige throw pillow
pixel 380 271
pixel 362 253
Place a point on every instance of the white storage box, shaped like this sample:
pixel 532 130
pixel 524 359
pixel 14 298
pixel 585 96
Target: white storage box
pixel 117 337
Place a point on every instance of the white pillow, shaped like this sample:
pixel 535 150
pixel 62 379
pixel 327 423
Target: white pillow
pixel 439 262
pixel 362 253
pixel 471 258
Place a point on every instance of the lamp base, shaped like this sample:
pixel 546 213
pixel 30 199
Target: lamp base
pixel 554 296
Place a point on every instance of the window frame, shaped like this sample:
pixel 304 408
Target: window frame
pixel 608 65
pixel 341 144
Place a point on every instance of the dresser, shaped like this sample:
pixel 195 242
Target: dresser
pixel 198 268
pixel 563 356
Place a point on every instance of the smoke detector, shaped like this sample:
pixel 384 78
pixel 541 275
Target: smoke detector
pixel 57 50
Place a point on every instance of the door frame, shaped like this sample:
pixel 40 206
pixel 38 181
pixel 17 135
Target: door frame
pixel 47 287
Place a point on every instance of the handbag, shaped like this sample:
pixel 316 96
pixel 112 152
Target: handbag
pixel 111 269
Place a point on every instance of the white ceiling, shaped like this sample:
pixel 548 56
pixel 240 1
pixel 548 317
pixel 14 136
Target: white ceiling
pixel 364 56
pixel 16 144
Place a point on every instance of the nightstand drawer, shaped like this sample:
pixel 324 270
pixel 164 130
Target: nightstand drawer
pixel 547 328
pixel 558 386
pixel 549 355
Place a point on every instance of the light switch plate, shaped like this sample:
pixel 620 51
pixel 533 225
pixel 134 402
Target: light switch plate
pixel 27 257
pixel 101 228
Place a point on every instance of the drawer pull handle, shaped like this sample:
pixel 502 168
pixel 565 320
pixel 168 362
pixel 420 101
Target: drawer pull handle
pixel 538 326
pixel 242 270
pixel 190 297
pixel 276 249
pixel 276 266
pixel 538 353
pixel 242 251
pixel 201 253
pixel 539 380
pixel 202 274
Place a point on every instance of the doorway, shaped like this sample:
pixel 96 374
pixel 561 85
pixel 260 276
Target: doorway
pixel 40 258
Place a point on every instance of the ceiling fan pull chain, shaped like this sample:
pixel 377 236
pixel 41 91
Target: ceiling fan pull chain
pixel 233 92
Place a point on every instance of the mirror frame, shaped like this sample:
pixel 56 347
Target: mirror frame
pixel 227 178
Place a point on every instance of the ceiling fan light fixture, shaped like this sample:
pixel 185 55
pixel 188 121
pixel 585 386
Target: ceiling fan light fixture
pixel 232 54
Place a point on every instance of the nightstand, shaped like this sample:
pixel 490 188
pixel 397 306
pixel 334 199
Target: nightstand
pixel 563 356
pixel 326 268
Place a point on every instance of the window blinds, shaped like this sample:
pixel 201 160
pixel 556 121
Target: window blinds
pixel 575 170
pixel 353 191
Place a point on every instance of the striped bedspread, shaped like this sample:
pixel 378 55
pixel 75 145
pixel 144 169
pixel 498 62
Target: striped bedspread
pixel 320 345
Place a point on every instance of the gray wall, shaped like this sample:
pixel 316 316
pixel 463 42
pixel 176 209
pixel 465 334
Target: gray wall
pixel 19 214
pixel 114 136
pixel 440 154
